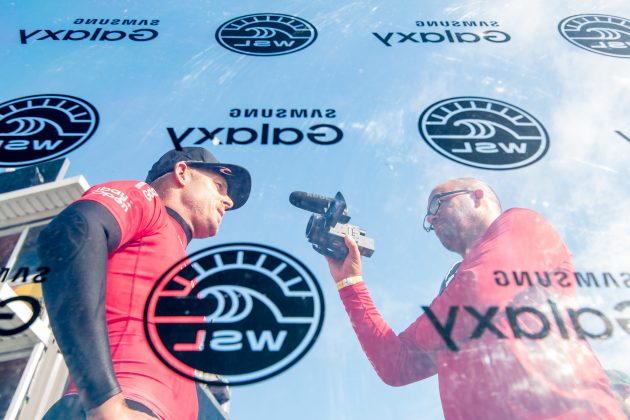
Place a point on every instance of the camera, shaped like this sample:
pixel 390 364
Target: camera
pixel 329 224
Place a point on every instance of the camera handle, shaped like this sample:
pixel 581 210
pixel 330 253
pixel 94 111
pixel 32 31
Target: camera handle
pixel 336 255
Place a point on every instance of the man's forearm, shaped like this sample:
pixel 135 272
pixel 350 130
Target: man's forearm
pixel 75 246
pixel 396 358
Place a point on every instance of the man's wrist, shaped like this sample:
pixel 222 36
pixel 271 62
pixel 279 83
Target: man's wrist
pixel 349 281
pixel 91 399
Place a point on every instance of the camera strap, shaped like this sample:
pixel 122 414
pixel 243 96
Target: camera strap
pixel 449 276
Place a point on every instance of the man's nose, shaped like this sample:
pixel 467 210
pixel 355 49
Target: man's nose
pixel 227 201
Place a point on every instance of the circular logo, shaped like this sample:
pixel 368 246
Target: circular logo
pixel 483 133
pixel 38 128
pixel 266 34
pixel 602 34
pixel 243 311
pixel 10 317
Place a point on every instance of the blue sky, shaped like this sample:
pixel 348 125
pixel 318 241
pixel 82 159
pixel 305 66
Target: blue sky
pixel 184 78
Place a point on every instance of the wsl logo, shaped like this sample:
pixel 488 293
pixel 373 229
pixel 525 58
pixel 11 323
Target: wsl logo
pixel 38 128
pixel 13 320
pixel 602 34
pixel 266 34
pixel 483 133
pixel 244 311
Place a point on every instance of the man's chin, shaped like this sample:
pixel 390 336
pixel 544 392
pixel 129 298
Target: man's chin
pixel 448 243
pixel 208 232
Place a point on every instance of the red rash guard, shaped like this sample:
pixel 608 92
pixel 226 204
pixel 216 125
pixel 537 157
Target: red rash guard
pixel 554 377
pixel 152 240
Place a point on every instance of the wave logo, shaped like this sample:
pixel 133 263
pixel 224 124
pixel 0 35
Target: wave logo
pixel 483 133
pixel 244 311
pixel 38 128
pixel 266 34
pixel 602 34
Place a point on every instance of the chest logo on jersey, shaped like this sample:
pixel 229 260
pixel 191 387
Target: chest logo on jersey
pixel 244 311
pixel 118 196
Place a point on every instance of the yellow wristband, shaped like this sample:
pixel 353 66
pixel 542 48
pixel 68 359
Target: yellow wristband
pixel 348 281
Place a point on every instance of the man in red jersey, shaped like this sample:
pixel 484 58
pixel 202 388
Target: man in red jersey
pixel 491 342
pixel 106 251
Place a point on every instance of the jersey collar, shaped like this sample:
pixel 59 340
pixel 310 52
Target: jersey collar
pixel 187 230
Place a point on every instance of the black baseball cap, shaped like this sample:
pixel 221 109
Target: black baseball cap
pixel 239 181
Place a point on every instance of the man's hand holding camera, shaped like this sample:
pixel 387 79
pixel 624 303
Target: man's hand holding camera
pixel 332 236
pixel 328 225
pixel 349 266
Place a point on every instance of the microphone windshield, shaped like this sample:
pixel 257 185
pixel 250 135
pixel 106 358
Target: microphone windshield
pixel 310 202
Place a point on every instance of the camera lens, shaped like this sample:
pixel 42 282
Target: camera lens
pixel 309 226
pixel 315 228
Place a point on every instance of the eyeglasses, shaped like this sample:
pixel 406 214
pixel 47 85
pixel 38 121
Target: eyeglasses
pixel 434 206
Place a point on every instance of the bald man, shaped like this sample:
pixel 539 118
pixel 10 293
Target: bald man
pixel 488 338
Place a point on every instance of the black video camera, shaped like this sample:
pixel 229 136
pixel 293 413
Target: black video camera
pixel 327 227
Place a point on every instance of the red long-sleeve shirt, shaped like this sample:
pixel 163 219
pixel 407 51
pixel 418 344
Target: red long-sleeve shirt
pixel 553 377
pixel 152 240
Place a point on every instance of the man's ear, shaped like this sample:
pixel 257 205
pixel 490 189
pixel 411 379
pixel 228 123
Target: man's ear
pixel 182 174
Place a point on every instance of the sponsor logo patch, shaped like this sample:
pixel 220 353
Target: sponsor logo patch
pixel 10 323
pixel 266 34
pixel 38 128
pixel 483 133
pixel 99 33
pixel 446 32
pixel 601 34
pixel 244 311
pixel 225 171
pixel 319 130
pixel 119 197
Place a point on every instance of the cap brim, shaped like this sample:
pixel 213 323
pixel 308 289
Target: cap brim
pixel 239 182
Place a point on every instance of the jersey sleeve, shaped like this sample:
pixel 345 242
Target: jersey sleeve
pixel 133 204
pixel 395 358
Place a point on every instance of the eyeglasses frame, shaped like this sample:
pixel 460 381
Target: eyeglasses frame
pixel 425 224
